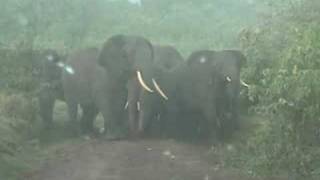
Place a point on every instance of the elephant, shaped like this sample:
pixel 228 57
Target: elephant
pixel 129 61
pixel 207 94
pixel 192 108
pixel 166 60
pixel 229 63
pixel 50 87
pixel 88 85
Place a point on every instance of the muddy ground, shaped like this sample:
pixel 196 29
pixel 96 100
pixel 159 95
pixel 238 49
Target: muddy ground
pixel 134 160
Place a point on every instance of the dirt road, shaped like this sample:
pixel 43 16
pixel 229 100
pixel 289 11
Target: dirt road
pixel 133 160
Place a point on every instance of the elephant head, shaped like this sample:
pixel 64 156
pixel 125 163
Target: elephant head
pixel 127 56
pixel 129 61
pixel 166 58
pixel 229 63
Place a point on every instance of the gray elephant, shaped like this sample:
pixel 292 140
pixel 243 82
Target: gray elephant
pixel 129 61
pixel 49 72
pixel 228 64
pixel 88 85
pixel 166 60
pixel 192 108
pixel 206 95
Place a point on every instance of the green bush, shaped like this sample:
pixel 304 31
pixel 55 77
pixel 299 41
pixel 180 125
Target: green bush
pixel 17 115
pixel 284 65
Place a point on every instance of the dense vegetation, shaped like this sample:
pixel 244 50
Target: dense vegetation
pixel 280 39
pixel 284 63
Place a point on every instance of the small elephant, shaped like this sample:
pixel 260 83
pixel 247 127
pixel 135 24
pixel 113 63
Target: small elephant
pixel 50 86
pixel 228 64
pixel 129 61
pixel 90 86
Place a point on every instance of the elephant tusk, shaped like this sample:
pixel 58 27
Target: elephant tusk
pixel 126 106
pixel 69 69
pixel 228 79
pixel 244 84
pixel 142 83
pixel 66 67
pixel 138 106
pixel 159 89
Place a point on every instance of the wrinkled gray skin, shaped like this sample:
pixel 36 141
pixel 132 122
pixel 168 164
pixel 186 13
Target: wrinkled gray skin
pixel 207 95
pixel 89 87
pixel 192 109
pixel 228 63
pixel 122 56
pixel 50 86
pixel 166 60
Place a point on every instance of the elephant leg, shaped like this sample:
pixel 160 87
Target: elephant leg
pixel 141 121
pixel 211 115
pixel 144 120
pixel 111 124
pixel 154 122
pixel 133 100
pixel 113 112
pixel 171 119
pixel 235 114
pixel 204 130
pixel 89 113
pixel 73 116
pixel 229 118
pixel 148 103
pixel 132 117
pixel 46 103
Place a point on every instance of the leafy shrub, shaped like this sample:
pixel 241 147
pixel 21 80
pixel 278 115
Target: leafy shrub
pixel 17 114
pixel 16 71
pixel 284 64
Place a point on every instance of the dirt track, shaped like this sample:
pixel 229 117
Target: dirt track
pixel 139 160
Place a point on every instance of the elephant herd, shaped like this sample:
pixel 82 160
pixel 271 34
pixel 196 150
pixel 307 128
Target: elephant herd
pixel 140 88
